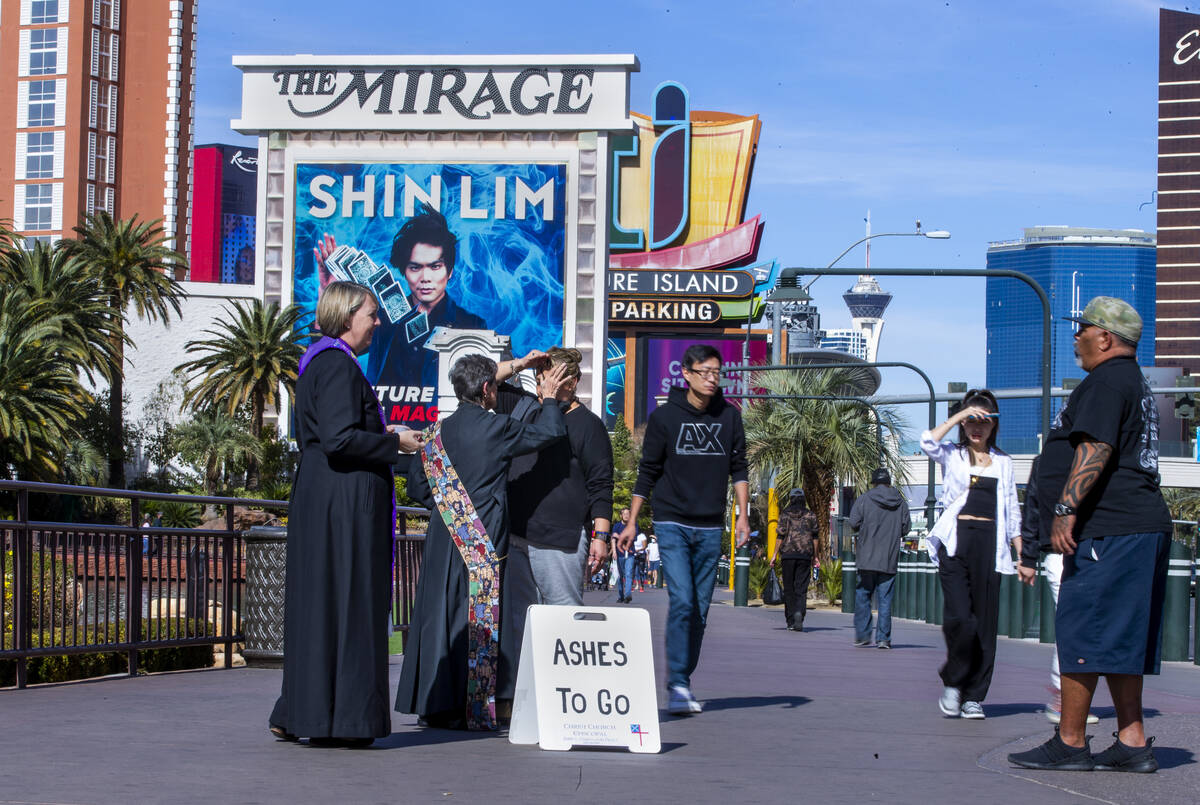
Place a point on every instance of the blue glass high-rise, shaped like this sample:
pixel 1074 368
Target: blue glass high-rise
pixel 1072 265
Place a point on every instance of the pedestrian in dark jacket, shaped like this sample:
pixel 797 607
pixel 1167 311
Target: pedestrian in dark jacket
pixel 796 535
pixel 881 519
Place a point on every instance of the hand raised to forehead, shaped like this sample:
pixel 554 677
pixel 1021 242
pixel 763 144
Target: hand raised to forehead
pixel 553 380
pixel 977 412
pixel 534 359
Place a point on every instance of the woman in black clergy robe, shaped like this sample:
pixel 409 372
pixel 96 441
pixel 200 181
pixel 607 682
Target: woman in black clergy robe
pixel 339 545
pixel 480 445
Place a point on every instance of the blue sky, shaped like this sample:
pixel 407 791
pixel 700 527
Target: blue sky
pixel 977 117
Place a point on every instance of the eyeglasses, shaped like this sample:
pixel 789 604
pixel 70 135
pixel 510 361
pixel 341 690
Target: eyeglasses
pixel 1081 327
pixel 706 373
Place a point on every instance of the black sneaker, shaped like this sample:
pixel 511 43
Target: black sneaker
pixel 1119 757
pixel 1054 755
pixel 862 643
pixel 886 644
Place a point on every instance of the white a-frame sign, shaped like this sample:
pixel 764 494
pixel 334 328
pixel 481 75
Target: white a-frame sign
pixel 586 679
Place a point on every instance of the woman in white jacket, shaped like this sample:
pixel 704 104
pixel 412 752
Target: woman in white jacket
pixel 969 543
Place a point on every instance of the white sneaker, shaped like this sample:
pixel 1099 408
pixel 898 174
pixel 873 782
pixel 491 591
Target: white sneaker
pixel 973 710
pixel 681 702
pixel 950 703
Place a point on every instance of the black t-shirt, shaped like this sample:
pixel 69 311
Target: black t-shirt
pixel 1113 405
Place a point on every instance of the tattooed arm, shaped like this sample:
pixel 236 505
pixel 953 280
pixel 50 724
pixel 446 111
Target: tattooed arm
pixel 1090 458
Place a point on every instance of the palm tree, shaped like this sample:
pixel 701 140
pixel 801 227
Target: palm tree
pixel 8 238
pixel 249 356
pixel 82 463
pixel 41 398
pixel 814 444
pixel 134 268
pixel 212 440
pixel 72 293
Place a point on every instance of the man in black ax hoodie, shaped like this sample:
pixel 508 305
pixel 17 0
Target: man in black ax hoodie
pixel 881 519
pixel 694 444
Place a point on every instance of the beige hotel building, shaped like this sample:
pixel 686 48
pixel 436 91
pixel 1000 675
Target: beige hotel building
pixel 96 113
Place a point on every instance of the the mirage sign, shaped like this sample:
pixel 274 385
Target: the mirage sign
pixel 567 93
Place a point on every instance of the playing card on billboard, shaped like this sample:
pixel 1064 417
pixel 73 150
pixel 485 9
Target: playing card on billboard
pixel 442 246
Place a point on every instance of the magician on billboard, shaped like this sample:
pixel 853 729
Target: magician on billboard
pixel 462 247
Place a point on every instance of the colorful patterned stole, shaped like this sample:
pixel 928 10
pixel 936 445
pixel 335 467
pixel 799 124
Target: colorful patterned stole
pixel 483 573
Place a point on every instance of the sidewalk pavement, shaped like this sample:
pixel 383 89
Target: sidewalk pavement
pixel 788 717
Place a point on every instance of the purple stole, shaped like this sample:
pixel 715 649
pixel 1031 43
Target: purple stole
pixel 483 573
pixel 336 343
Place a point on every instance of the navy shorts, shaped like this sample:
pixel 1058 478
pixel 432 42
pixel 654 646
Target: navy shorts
pixel 1110 605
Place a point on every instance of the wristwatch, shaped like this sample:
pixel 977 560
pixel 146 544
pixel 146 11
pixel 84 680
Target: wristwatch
pixel 1063 510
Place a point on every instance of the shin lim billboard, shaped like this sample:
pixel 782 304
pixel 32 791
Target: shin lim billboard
pixel 458 246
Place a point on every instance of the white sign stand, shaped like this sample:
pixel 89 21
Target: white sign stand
pixel 586 678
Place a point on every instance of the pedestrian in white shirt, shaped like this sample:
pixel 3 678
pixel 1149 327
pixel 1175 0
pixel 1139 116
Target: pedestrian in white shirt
pixel 969 543
pixel 652 560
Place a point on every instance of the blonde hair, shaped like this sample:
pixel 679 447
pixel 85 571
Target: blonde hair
pixel 338 303
pixel 568 357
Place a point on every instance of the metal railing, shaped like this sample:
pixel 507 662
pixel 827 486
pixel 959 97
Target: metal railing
pixel 406 566
pixel 75 588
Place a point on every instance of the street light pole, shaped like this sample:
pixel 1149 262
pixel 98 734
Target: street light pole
pixel 965 272
pixel 838 397
pixel 777 352
pixel 937 234
pixel 930 498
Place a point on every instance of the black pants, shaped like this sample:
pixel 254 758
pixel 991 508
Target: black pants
pixel 971 587
pixel 797 572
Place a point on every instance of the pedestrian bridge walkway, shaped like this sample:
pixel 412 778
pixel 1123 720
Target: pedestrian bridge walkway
pixel 802 717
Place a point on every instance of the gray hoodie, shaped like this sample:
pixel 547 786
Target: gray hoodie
pixel 881 519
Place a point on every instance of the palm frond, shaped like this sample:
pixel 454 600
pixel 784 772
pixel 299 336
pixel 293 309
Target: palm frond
pixel 819 444
pixel 248 357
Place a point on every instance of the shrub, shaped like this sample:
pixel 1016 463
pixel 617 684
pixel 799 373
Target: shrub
pixel 179 514
pixel 67 667
pixel 759 568
pixel 54 593
pixel 280 490
pixel 831 579
pixel 400 483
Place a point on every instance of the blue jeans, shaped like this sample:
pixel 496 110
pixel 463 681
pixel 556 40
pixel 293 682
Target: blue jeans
pixel 871 581
pixel 624 574
pixel 689 562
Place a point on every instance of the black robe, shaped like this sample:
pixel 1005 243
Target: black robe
pixel 481 446
pixel 339 559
